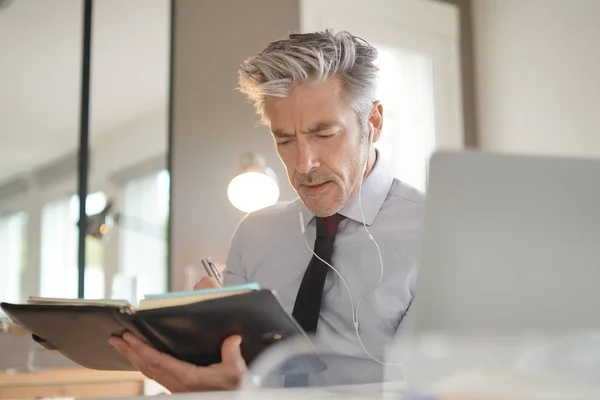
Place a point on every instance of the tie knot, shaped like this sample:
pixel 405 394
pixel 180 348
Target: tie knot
pixel 327 226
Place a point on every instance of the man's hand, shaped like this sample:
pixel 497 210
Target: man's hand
pixel 179 376
pixel 207 283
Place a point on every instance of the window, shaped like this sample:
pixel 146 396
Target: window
pixel 58 270
pixel 12 255
pixel 94 253
pixel 143 232
pixel 405 89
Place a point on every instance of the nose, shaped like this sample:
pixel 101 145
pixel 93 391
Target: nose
pixel 307 158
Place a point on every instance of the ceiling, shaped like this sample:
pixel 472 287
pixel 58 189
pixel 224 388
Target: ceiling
pixel 40 74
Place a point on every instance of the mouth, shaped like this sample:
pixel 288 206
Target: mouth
pixel 313 190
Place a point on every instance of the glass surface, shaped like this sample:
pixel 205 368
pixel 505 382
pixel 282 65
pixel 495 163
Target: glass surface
pixel 58 272
pixel 39 141
pixel 13 255
pixel 40 79
pixel 128 146
pixel 405 89
pixel 143 232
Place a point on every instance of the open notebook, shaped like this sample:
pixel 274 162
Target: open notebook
pixel 190 326
pixel 152 301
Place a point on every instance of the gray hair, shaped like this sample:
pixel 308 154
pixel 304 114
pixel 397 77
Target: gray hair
pixel 319 56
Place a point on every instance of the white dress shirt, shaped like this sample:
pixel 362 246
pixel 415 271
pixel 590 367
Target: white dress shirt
pixel 268 248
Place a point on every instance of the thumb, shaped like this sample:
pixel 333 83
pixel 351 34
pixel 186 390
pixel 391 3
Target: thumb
pixel 231 353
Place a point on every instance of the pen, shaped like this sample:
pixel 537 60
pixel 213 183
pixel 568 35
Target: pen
pixel 212 270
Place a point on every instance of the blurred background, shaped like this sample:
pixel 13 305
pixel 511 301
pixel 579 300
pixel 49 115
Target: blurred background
pixel 128 145
pixel 168 133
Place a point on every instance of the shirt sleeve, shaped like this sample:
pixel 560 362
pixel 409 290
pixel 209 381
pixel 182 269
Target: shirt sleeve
pixel 235 271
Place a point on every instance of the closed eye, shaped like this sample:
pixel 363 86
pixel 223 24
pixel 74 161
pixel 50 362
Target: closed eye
pixel 326 136
pixel 283 142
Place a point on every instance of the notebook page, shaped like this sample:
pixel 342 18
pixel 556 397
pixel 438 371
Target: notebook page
pixel 182 298
pixel 77 302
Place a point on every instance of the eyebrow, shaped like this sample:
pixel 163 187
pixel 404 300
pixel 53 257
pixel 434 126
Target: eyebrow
pixel 317 128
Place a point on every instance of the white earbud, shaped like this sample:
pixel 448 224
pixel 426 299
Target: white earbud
pixel 370 139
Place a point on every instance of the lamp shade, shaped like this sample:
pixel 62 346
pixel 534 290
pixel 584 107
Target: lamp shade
pixel 255 187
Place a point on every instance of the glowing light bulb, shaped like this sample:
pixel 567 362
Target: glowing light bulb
pixel 251 191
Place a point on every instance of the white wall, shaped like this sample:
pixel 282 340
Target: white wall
pixel 538 75
pixel 213 124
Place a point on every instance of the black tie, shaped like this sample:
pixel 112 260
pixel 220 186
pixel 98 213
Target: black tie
pixel 308 302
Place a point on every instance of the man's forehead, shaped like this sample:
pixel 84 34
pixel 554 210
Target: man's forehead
pixel 306 109
pixel 308 95
pixel 308 122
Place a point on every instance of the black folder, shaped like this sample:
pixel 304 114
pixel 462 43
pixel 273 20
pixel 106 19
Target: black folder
pixel 190 332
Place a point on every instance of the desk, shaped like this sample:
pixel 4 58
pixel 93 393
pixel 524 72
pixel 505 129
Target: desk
pixel 81 383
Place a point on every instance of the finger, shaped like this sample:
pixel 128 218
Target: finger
pixel 127 351
pixel 159 365
pixel 123 348
pixel 145 365
pixel 207 283
pixel 231 353
pixel 119 344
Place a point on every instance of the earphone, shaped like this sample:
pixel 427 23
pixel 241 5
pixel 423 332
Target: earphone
pixel 355 318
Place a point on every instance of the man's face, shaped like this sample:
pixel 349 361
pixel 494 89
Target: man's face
pixel 320 142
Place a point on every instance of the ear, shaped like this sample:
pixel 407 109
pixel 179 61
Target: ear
pixel 376 119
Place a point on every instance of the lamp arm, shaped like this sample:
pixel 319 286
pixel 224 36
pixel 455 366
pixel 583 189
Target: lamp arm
pixel 140 225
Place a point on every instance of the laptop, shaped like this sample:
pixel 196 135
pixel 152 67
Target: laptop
pixel 510 268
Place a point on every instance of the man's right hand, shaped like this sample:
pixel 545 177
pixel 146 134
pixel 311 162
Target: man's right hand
pixel 207 283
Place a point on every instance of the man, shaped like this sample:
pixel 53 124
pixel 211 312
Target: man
pixel 316 92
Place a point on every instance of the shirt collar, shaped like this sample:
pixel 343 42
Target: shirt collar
pixel 375 190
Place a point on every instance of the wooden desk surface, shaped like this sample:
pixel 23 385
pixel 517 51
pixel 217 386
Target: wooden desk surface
pixel 80 383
